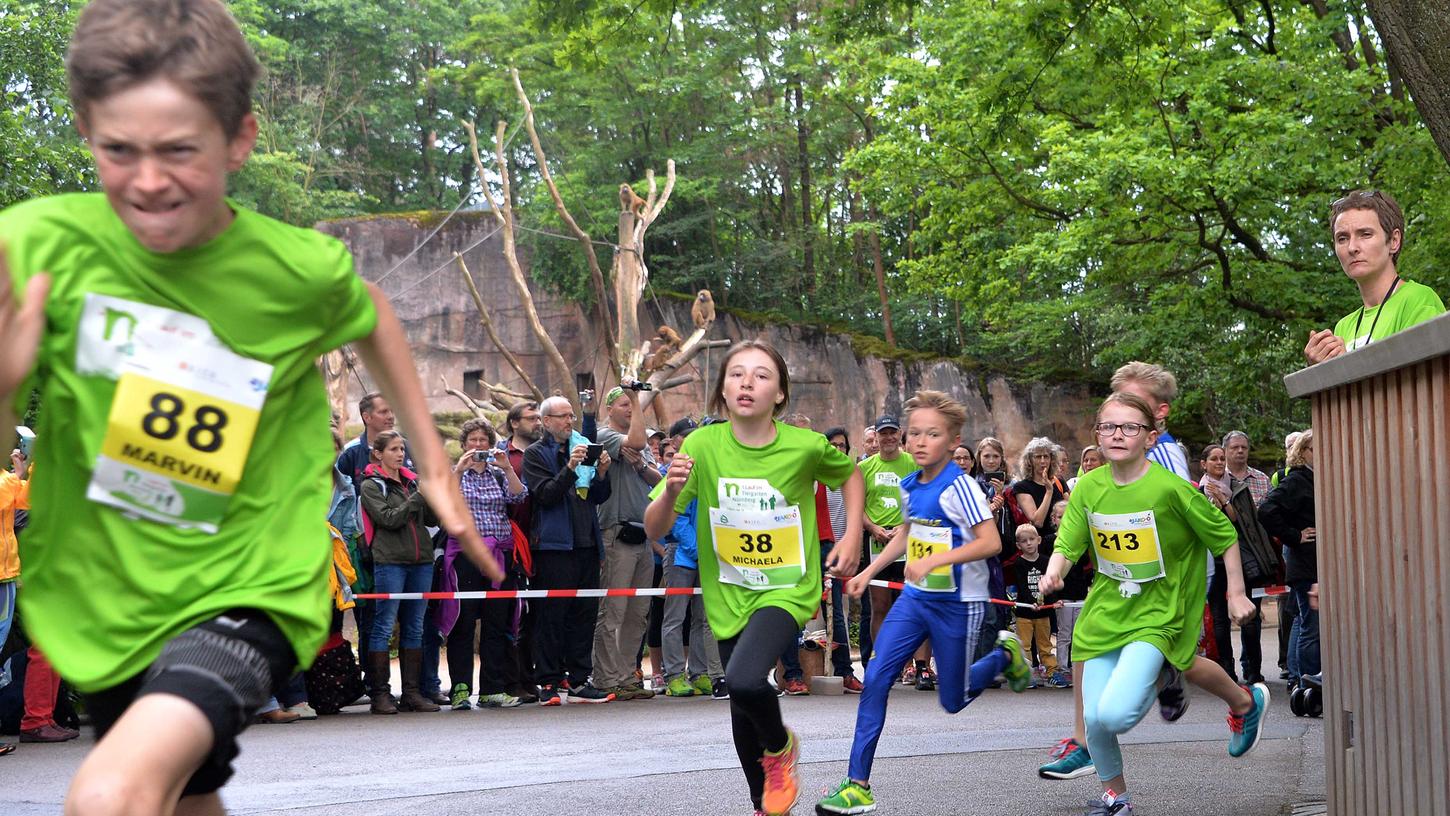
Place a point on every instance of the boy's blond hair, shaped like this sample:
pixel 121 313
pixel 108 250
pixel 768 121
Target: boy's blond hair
pixel 1026 528
pixel 195 44
pixel 1160 381
pixel 953 411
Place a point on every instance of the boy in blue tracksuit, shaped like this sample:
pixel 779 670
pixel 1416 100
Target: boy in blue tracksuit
pixel 949 535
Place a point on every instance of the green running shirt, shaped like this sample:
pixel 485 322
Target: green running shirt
pixel 776 476
pixel 1168 611
pixel 205 487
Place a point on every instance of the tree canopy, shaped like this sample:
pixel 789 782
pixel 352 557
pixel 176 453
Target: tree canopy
pixel 1044 188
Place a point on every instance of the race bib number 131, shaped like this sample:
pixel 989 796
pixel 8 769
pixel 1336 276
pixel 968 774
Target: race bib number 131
pixel 183 417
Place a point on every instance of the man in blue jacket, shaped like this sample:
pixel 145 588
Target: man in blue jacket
pixel 566 543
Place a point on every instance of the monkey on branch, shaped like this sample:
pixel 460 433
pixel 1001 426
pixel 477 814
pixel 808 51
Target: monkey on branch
pixel 703 311
pixel 630 200
pixel 667 342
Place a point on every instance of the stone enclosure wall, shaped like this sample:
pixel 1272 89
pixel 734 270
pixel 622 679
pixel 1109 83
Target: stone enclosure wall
pixel 830 382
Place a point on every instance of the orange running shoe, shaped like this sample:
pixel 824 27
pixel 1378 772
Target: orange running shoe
pixel 782 783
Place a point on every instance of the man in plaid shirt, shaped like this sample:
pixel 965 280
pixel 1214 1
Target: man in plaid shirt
pixel 1236 449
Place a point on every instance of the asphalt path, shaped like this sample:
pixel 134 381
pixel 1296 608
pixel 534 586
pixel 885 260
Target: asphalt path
pixel 674 756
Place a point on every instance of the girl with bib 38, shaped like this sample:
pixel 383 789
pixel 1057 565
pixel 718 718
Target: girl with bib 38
pixel 754 479
pixel 1148 531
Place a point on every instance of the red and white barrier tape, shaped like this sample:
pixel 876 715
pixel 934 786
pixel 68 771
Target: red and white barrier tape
pixel 635 592
pixel 1257 593
pixel 622 592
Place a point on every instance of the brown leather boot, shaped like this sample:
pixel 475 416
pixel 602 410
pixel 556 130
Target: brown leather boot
pixel 379 674
pixel 412 699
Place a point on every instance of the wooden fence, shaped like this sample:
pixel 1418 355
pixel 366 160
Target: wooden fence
pixel 1382 502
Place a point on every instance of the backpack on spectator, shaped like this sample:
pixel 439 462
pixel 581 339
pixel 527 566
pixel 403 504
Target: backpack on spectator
pixel 1009 497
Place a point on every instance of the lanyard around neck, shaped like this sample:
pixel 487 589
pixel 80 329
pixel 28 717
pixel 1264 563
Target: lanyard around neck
pixel 1378 310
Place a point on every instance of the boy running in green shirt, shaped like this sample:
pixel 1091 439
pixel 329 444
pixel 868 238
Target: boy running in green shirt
pixel 180 500
pixel 1369 231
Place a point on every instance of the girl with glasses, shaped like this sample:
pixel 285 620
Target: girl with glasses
pixel 1148 532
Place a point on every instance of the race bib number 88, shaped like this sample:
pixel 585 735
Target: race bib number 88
pixel 183 417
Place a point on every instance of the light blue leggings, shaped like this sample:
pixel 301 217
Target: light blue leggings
pixel 1118 688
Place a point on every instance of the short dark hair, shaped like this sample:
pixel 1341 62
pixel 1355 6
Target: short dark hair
pixel 477 424
pixel 516 413
pixel 839 431
pixel 1391 217
pixel 196 44
pixel 365 405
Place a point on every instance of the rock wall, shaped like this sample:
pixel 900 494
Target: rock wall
pixel 830 382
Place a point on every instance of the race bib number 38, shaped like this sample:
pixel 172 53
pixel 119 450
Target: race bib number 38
pixel 183 417
pixel 759 549
pixel 1126 545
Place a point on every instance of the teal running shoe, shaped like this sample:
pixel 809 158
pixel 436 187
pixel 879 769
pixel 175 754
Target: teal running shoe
pixel 1070 759
pixel 849 797
pixel 1244 730
pixel 1018 673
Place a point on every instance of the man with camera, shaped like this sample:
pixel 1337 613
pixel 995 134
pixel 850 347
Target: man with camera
pixel 628 557
pixel 566 541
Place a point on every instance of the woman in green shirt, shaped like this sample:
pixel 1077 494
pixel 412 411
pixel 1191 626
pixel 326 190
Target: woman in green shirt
pixel 1148 531
pixel 754 479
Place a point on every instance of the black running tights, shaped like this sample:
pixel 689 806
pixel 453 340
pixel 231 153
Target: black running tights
pixel 749 658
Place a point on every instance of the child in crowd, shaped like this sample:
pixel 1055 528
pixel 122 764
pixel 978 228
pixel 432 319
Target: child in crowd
pixel 1034 626
pixel 172 336
pixel 700 672
pixel 1149 532
pixel 948 534
pixel 754 480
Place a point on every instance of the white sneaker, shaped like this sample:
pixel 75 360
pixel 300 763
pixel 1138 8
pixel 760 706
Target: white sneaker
pixel 303 710
pixel 500 700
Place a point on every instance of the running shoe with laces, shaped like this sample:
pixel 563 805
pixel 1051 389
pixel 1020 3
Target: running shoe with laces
pixel 1110 804
pixel 1244 730
pixel 851 685
pixel 679 686
pixel 797 687
pixel 589 694
pixel 1070 759
pixel 1018 673
pixel 499 700
pixel 782 780
pixel 458 697
pixel 1060 679
pixel 702 684
pixel 720 689
pixel 550 696
pixel 1173 697
pixel 908 675
pixel 849 797
pixel 925 679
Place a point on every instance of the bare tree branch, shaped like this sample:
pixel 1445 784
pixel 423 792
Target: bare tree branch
pixel 596 277
pixel 693 345
pixel 503 211
pixel 493 335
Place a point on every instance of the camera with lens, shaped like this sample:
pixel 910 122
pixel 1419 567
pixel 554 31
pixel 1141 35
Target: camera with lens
pixel 636 385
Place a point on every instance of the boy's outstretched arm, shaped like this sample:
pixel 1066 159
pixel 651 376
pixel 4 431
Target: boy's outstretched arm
pixel 21 322
pixel 387 357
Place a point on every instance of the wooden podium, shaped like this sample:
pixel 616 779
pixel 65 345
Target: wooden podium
pixel 1382 504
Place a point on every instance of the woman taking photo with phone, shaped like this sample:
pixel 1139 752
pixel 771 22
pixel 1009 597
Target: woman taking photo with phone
pixel 489 486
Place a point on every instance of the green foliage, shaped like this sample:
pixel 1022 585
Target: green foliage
pixel 1054 186
pixel 40 152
